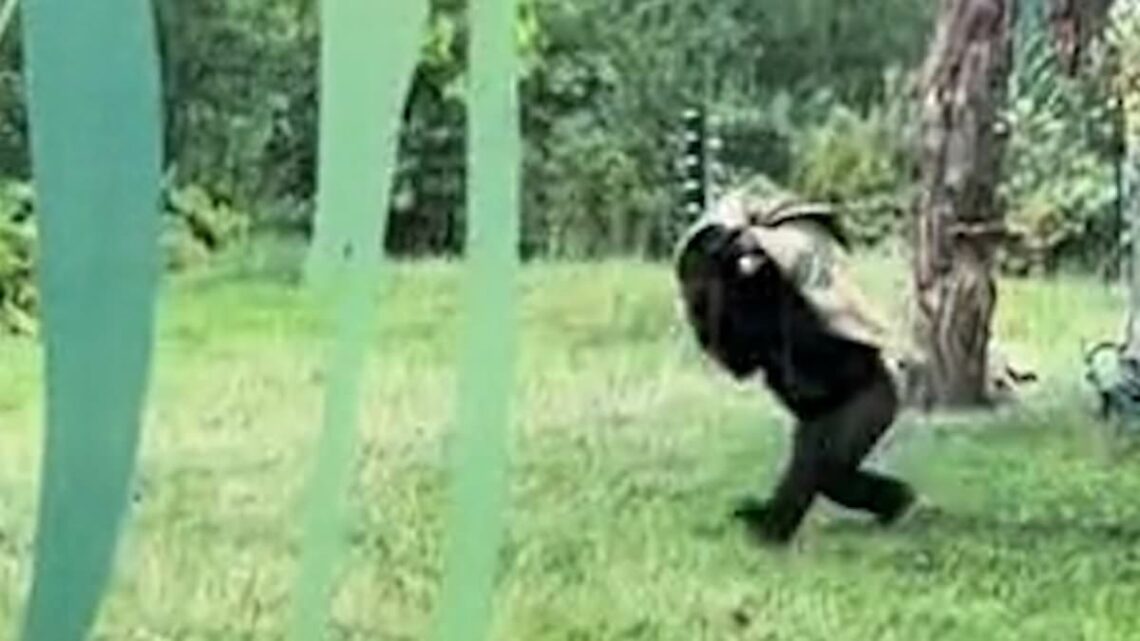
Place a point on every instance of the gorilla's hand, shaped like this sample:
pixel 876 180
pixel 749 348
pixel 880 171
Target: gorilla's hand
pixel 721 252
pixel 716 268
pixel 746 256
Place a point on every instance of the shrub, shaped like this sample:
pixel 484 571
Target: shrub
pixel 1056 189
pixel 862 161
pixel 197 225
pixel 594 200
pixel 18 300
pixel 1059 187
pixel 195 228
pixel 756 139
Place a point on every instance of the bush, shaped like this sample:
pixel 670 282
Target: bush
pixel 196 228
pixel 594 200
pixel 18 299
pixel 13 126
pixel 862 161
pixel 756 139
pixel 1056 189
pixel 1059 186
pixel 198 225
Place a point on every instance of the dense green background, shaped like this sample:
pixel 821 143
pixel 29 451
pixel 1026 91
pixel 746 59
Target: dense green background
pixel 814 94
pixel 603 85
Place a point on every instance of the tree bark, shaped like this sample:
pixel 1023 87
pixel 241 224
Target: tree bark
pixel 958 218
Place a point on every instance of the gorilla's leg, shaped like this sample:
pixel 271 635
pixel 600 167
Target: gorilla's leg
pixel 886 497
pixel 849 435
pixel 827 453
pixel 777 519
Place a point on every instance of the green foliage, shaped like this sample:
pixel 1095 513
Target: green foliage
pixel 594 201
pixel 603 85
pixel 1059 187
pixel 797 91
pixel 839 45
pixel 199 225
pixel 196 228
pixel 13 125
pixel 597 123
pixel 1122 36
pixel 758 137
pixel 863 161
pixel 240 81
pixel 18 299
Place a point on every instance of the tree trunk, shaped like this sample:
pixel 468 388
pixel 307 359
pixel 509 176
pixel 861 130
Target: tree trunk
pixel 958 218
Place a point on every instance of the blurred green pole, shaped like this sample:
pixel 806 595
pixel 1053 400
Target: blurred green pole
pixel 95 131
pixel 368 55
pixel 478 451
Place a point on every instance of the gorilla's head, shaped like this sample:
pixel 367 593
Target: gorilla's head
pixel 728 285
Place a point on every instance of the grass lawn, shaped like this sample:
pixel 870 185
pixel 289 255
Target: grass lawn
pixel 627 453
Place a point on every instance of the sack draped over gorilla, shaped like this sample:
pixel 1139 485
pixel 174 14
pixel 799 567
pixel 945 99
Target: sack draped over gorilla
pixel 806 241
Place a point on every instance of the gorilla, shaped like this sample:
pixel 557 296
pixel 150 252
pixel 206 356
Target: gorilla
pixel 750 314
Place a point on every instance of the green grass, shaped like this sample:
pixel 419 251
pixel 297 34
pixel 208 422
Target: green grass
pixel 626 455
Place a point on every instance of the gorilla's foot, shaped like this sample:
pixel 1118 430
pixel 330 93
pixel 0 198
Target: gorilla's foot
pixel 749 507
pixel 901 505
pixel 763 522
